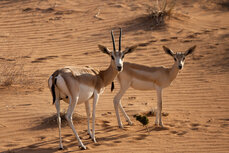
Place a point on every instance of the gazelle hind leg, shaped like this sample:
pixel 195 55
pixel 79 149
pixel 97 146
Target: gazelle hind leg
pixel 57 104
pixel 88 111
pixel 72 103
pixel 117 105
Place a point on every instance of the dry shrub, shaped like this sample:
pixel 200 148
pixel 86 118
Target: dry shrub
pixel 51 121
pixel 13 71
pixel 160 11
pixel 222 5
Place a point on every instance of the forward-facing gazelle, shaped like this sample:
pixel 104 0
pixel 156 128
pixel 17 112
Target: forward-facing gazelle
pixel 79 85
pixel 142 77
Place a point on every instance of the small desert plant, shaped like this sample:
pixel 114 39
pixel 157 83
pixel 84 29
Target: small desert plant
pixel 142 119
pixel 162 10
pixel 14 72
pixel 51 121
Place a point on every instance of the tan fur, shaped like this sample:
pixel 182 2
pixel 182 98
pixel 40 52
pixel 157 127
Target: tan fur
pixel 87 76
pixel 77 85
pixel 142 77
pixel 145 73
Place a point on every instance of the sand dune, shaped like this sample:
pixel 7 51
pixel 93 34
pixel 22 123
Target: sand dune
pixel 38 37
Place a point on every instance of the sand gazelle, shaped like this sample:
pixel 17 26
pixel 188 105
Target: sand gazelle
pixel 142 77
pixel 78 85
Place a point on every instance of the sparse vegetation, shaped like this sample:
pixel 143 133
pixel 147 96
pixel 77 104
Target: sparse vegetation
pixel 14 73
pixel 143 120
pixel 153 112
pixel 51 121
pixel 160 11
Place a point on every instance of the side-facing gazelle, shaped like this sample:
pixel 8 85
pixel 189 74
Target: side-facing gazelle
pixel 79 85
pixel 142 77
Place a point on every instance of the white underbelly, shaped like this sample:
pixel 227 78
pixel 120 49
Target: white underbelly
pixel 142 85
pixel 85 93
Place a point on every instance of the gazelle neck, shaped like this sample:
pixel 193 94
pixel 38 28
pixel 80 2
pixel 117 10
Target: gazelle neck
pixel 173 72
pixel 108 75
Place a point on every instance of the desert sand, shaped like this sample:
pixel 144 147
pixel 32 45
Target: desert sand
pixel 39 36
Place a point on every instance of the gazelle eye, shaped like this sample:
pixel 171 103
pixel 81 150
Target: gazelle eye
pixel 184 58
pixel 175 59
pixel 112 57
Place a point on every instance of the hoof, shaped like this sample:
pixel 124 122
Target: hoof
pixel 82 147
pixel 159 125
pixel 120 126
pixel 90 137
pixel 61 148
pixel 94 140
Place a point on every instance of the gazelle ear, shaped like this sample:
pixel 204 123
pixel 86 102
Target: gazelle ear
pixel 104 49
pixel 190 50
pixel 130 49
pixel 168 51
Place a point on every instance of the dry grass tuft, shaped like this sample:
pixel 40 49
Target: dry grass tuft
pixel 160 11
pixel 12 72
pixel 222 5
pixel 16 71
pixel 51 121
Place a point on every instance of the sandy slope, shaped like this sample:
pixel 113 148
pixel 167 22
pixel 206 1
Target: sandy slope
pixel 45 35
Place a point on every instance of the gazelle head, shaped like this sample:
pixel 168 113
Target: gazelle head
pixel 117 55
pixel 179 57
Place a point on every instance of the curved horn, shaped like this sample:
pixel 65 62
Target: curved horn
pixel 112 35
pixel 120 39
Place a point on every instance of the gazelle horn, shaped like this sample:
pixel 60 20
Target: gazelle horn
pixel 112 35
pixel 120 39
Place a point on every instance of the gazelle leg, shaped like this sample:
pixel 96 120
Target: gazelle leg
pixel 116 101
pixel 95 100
pixel 57 104
pixel 87 106
pixel 72 103
pixel 124 113
pixel 159 107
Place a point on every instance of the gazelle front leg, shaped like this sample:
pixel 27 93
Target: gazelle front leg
pixel 117 103
pixel 159 107
pixel 95 100
pixel 72 103
pixel 88 111
pixel 125 114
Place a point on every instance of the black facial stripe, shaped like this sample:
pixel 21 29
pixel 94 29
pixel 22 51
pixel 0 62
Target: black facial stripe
pixel 112 57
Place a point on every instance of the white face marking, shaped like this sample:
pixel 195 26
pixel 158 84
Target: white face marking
pixel 117 57
pixel 179 59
